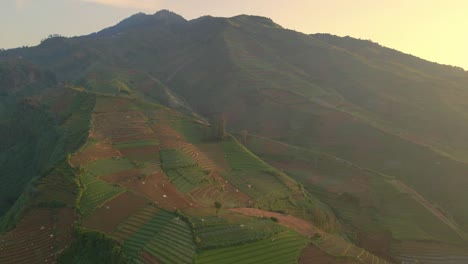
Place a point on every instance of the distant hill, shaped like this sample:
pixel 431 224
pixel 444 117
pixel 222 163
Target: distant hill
pixel 360 140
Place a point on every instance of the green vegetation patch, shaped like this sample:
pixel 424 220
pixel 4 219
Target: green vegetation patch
pixel 95 193
pixel 281 248
pixel 250 174
pixel 93 247
pixel 165 236
pixel 183 171
pixel 216 232
pixel 108 166
pixel 136 144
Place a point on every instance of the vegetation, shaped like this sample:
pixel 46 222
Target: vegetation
pixel 95 193
pixel 164 236
pixel 216 232
pixel 183 171
pixel 282 248
pixel 93 247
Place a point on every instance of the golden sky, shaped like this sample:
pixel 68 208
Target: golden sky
pixel 436 30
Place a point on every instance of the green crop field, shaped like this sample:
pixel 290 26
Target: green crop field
pixel 183 171
pixel 215 232
pixel 249 173
pixel 95 193
pixel 136 144
pixel 108 166
pixel 165 236
pixel 283 248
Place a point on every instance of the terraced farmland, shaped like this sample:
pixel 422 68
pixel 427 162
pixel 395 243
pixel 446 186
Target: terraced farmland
pixel 250 174
pixel 38 237
pixel 183 171
pixel 165 236
pixel 282 248
pixel 108 166
pixel 215 232
pixel 96 192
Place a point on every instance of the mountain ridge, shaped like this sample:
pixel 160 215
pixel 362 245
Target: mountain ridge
pixel 334 125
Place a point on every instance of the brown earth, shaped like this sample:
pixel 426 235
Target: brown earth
pixel 159 189
pixel 123 176
pixel 141 153
pixel 299 225
pixel 314 255
pixel 114 212
pixel 38 237
pixel 148 258
pixel 101 150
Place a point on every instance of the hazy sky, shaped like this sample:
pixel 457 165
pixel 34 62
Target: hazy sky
pixel 436 30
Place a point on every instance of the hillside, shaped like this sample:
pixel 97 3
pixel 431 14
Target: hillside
pixel 337 148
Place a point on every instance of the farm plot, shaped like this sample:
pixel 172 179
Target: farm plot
pixel 250 174
pixel 114 212
pixel 119 127
pixel 215 232
pixel 331 244
pixel 135 222
pixel 158 189
pixel 123 176
pixel 96 151
pixel 136 144
pixel 96 192
pixel 164 236
pixel 38 237
pixel 141 154
pixel 312 254
pixel 108 166
pixel 183 171
pixel 220 190
pixel 281 248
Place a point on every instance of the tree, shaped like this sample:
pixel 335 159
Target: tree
pixel 244 135
pixel 218 206
pixel 220 128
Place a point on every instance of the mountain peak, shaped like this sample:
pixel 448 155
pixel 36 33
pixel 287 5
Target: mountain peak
pixel 169 16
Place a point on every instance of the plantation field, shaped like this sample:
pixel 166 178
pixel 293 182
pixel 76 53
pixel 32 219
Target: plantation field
pixel 158 188
pixel 364 199
pixel 38 237
pixel 136 144
pixel 108 166
pixel 97 151
pixel 123 176
pixel 96 192
pixel 165 236
pixel 107 217
pixel 282 248
pixel 312 254
pixel 215 232
pixel 250 174
pixel 183 171
pixel 135 222
pixel 141 154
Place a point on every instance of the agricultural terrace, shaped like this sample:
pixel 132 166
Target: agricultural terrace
pixel 166 237
pixel 108 166
pixel 38 237
pixel 95 193
pixel 183 171
pixel 281 248
pixel 250 174
pixel 216 232
pixel 331 244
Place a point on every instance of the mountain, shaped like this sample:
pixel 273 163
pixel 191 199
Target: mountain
pixel 350 151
